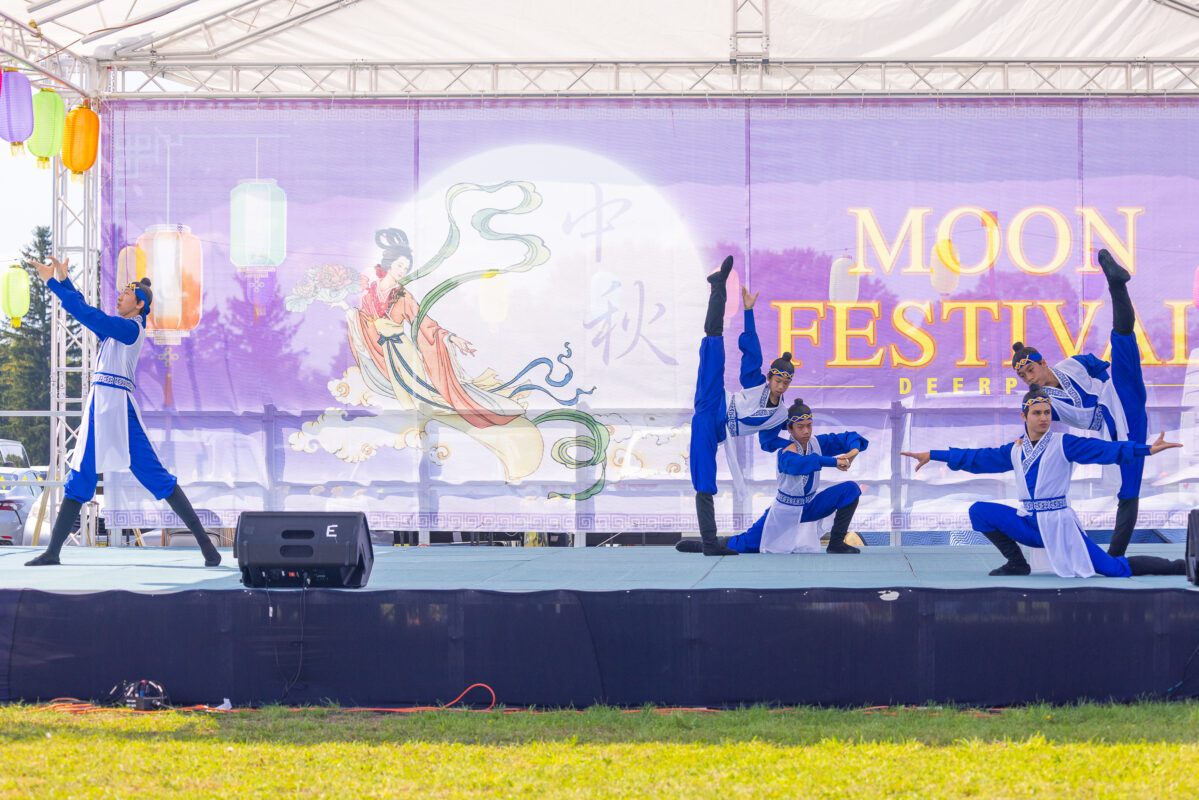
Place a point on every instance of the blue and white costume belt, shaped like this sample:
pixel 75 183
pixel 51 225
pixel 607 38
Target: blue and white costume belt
pixel 1044 504
pixel 108 379
pixel 794 499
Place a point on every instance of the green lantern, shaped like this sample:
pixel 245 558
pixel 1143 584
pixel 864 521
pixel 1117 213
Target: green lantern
pixel 258 226
pixel 14 293
pixel 49 116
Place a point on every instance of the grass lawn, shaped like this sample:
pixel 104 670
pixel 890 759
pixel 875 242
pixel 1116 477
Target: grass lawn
pixel 1087 751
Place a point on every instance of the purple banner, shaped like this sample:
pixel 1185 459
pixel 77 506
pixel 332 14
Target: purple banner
pixel 486 315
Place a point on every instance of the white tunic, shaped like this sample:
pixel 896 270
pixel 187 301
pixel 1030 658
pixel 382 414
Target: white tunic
pixel 748 411
pixel 108 403
pixel 1068 403
pixel 783 531
pixel 1061 530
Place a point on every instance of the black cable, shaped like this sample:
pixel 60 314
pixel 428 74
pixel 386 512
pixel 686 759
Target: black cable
pixel 1185 668
pixel 288 685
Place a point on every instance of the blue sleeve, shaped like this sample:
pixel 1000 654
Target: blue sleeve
pixel 799 464
pixel 105 326
pixel 772 439
pixel 751 354
pixel 835 444
pixel 1097 451
pixel 980 460
pixel 1095 367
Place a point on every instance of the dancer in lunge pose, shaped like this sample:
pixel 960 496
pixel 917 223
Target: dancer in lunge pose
pixel 111 436
pixel 1044 462
pixel 720 414
pixel 1083 395
pixel 792 523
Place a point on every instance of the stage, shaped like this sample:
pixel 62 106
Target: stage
pixel 613 625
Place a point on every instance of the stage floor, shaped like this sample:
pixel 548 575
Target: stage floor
pixel 153 570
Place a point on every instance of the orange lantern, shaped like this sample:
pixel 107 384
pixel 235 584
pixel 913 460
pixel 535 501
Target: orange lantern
pixel 80 140
pixel 174 264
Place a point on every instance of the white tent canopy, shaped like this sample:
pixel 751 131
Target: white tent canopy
pixel 266 31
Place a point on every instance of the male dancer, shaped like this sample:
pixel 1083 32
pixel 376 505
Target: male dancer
pixel 720 414
pixel 1084 396
pixel 111 436
pixel 1044 463
pixel 792 523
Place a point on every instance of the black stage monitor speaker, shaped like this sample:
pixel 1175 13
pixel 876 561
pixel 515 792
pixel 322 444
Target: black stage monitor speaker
pixel 304 548
pixel 1192 554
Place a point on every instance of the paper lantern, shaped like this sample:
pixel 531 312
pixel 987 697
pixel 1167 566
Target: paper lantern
pixel 131 267
pixel 174 264
pixel 946 267
pixel 49 116
pixel 843 286
pixel 80 140
pixel 257 226
pixel 16 109
pixel 14 294
pixel 493 298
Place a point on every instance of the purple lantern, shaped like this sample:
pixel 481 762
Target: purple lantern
pixel 16 109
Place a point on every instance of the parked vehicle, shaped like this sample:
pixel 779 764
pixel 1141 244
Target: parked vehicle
pixel 13 455
pixel 20 491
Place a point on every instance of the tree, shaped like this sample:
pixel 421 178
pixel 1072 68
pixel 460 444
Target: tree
pixel 25 360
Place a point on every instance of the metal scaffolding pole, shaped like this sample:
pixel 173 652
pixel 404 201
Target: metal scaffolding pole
pixel 75 236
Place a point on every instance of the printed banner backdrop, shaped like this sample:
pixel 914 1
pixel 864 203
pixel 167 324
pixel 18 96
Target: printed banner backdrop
pixel 486 315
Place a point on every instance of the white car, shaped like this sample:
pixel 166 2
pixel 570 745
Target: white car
pixel 20 491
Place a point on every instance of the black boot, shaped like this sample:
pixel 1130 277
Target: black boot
pixel 690 545
pixel 705 510
pixel 68 512
pixel 1126 521
pixel 1123 316
pixel 1016 565
pixel 836 537
pixel 1152 565
pixel 182 506
pixel 714 321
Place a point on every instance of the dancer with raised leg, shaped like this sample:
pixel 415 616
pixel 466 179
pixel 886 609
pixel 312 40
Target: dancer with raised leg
pixel 1044 463
pixel 1084 395
pixel 720 414
pixel 792 523
pixel 111 436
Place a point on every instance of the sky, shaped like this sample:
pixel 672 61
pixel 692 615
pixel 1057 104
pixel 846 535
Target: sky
pixel 26 204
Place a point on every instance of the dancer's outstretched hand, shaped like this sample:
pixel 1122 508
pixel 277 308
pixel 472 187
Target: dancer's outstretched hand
pixel 55 269
pixel 923 458
pixel 1161 444
pixel 747 299
pixel 846 460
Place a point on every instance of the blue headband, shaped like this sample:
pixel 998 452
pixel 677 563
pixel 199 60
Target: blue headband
pixel 140 295
pixel 1032 401
pixel 799 418
pixel 1028 359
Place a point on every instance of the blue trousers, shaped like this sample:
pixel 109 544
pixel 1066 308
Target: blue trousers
pixel 143 463
pixel 709 422
pixel 1004 519
pixel 1130 388
pixel 826 502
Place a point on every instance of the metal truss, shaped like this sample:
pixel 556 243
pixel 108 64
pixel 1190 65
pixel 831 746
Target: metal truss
pixel 788 78
pixel 231 29
pixel 47 64
pixel 751 30
pixel 75 235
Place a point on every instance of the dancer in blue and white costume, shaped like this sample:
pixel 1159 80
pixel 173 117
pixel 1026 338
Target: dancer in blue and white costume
pixel 793 522
pixel 111 436
pixel 1085 396
pixel 1044 463
pixel 720 414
